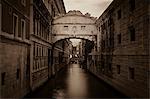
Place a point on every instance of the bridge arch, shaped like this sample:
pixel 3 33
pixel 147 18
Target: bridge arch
pixel 71 38
pixel 74 25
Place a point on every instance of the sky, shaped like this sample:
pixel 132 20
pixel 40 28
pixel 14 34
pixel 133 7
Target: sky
pixel 75 42
pixel 94 7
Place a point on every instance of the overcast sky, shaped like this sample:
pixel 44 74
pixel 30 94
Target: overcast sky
pixel 94 7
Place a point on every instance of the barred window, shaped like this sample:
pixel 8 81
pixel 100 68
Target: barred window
pixel 65 28
pixel 18 73
pixel 23 28
pixel 119 14
pixel 119 38
pixel 132 33
pixel 82 27
pixel 15 25
pixel 3 78
pixel 131 73
pixel 118 69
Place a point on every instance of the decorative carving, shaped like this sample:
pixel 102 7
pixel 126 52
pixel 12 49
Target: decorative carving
pixel 75 12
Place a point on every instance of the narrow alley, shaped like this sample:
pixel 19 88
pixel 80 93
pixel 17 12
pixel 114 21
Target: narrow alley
pixel 75 82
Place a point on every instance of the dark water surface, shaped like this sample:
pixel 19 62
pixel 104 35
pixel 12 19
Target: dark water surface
pixel 74 82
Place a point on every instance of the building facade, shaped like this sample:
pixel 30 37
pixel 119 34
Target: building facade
pixel 25 44
pixel 58 7
pixel 55 7
pixel 40 31
pixel 42 13
pixel 124 47
pixel 14 48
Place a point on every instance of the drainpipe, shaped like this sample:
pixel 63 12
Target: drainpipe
pixel 0 33
pixel 0 17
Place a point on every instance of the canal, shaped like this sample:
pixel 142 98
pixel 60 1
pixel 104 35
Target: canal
pixel 75 82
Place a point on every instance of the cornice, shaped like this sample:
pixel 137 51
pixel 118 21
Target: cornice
pixel 75 13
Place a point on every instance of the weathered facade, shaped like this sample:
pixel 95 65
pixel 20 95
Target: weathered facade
pixel 55 7
pixel 42 13
pixel 25 44
pixel 14 48
pixel 58 7
pixel 40 30
pixel 124 47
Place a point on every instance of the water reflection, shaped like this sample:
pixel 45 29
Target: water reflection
pixel 77 84
pixel 74 82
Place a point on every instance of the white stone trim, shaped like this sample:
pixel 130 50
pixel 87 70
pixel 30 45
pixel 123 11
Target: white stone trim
pixel 24 31
pixel 15 34
pixel 31 17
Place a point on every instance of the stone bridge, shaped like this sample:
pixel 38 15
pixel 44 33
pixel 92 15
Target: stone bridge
pixel 74 25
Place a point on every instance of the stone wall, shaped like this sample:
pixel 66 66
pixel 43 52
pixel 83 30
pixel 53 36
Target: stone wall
pixel 14 49
pixel 14 68
pixel 25 45
pixel 124 61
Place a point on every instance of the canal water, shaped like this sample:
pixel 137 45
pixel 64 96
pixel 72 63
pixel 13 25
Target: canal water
pixel 75 82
